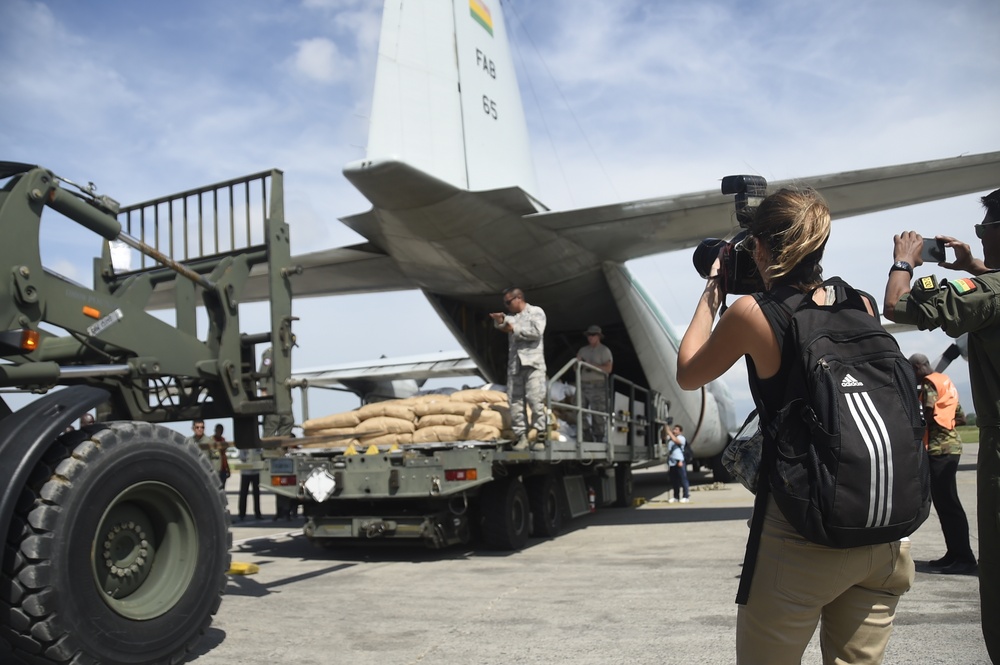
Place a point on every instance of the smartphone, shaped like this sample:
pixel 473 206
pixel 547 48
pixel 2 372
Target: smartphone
pixel 933 251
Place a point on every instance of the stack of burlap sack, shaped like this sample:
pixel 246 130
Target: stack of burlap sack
pixel 466 415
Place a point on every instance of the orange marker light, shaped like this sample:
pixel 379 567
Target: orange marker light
pixel 29 340
pixel 91 312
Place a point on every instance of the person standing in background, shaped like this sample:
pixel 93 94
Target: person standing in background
pixel 942 412
pixel 594 384
pixel 249 481
pixel 677 464
pixel 208 446
pixel 220 446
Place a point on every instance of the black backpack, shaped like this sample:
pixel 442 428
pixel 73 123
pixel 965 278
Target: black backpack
pixel 844 457
pixel 849 464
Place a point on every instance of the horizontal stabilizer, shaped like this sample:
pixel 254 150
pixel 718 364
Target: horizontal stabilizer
pixel 391 184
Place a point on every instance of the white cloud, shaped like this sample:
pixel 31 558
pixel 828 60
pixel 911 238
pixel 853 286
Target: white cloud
pixel 319 59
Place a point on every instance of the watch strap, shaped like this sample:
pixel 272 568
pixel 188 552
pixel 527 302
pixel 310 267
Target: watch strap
pixel 902 265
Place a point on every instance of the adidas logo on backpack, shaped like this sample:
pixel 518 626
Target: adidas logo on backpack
pixel 849 466
pixel 850 382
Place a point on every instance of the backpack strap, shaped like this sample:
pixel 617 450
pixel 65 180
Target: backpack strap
pixel 756 522
pixel 777 307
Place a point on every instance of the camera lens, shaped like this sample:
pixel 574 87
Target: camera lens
pixel 705 255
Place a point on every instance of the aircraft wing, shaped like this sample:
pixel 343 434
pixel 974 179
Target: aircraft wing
pixel 359 268
pixel 632 230
pixel 445 364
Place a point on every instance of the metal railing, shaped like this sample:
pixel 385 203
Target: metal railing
pixel 628 421
pixel 215 220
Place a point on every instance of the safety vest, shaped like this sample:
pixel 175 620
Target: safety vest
pixel 947 400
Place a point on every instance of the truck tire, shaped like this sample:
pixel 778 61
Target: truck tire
pixel 545 496
pixel 623 485
pixel 505 514
pixel 117 551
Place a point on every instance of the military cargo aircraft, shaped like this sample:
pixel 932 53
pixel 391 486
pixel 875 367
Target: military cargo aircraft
pixel 454 213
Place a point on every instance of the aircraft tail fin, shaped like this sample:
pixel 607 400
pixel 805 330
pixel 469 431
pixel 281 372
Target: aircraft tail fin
pixel 446 98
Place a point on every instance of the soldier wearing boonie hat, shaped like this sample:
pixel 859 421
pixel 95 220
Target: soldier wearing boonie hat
pixel 593 383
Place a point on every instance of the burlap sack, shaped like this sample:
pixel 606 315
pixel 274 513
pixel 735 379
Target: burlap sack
pixel 390 409
pixel 384 425
pixel 434 434
pixel 488 417
pixel 346 419
pixel 476 432
pixel 454 408
pixel 432 419
pixel 477 396
pixel 422 399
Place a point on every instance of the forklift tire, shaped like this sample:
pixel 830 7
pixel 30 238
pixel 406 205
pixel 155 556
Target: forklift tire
pixel 623 485
pixel 545 498
pixel 117 551
pixel 505 514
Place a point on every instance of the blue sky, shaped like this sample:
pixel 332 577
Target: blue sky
pixel 625 100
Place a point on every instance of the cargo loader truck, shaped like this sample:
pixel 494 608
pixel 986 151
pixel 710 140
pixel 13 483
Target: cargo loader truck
pixel 450 492
pixel 116 534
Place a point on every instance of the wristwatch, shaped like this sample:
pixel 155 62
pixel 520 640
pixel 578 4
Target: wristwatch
pixel 902 265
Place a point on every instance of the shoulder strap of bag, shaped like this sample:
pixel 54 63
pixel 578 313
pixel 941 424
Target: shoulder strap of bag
pixel 756 522
pixel 777 309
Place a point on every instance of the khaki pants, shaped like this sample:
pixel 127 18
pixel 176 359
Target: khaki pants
pixel 852 593
pixel 988 506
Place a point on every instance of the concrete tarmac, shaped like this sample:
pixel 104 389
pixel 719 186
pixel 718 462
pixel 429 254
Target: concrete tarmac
pixel 645 585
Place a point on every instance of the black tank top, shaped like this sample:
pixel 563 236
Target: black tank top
pixel 768 394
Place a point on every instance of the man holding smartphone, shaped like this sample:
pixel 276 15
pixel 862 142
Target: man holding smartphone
pixel 966 305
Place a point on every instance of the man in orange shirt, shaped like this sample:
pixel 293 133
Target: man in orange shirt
pixel 942 412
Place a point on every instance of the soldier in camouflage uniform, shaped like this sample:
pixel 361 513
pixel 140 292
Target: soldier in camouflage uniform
pixel 210 448
pixel 942 412
pixel 966 305
pixel 525 326
pixel 594 384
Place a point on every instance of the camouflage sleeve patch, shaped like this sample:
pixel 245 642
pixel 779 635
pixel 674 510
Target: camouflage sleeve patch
pixel 963 286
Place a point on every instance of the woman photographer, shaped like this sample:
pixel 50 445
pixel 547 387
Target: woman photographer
pixel 796 583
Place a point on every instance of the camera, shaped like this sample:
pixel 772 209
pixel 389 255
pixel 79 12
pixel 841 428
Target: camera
pixel 932 251
pixel 737 271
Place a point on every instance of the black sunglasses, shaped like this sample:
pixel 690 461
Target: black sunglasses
pixel 748 244
pixel 981 228
pixel 508 301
